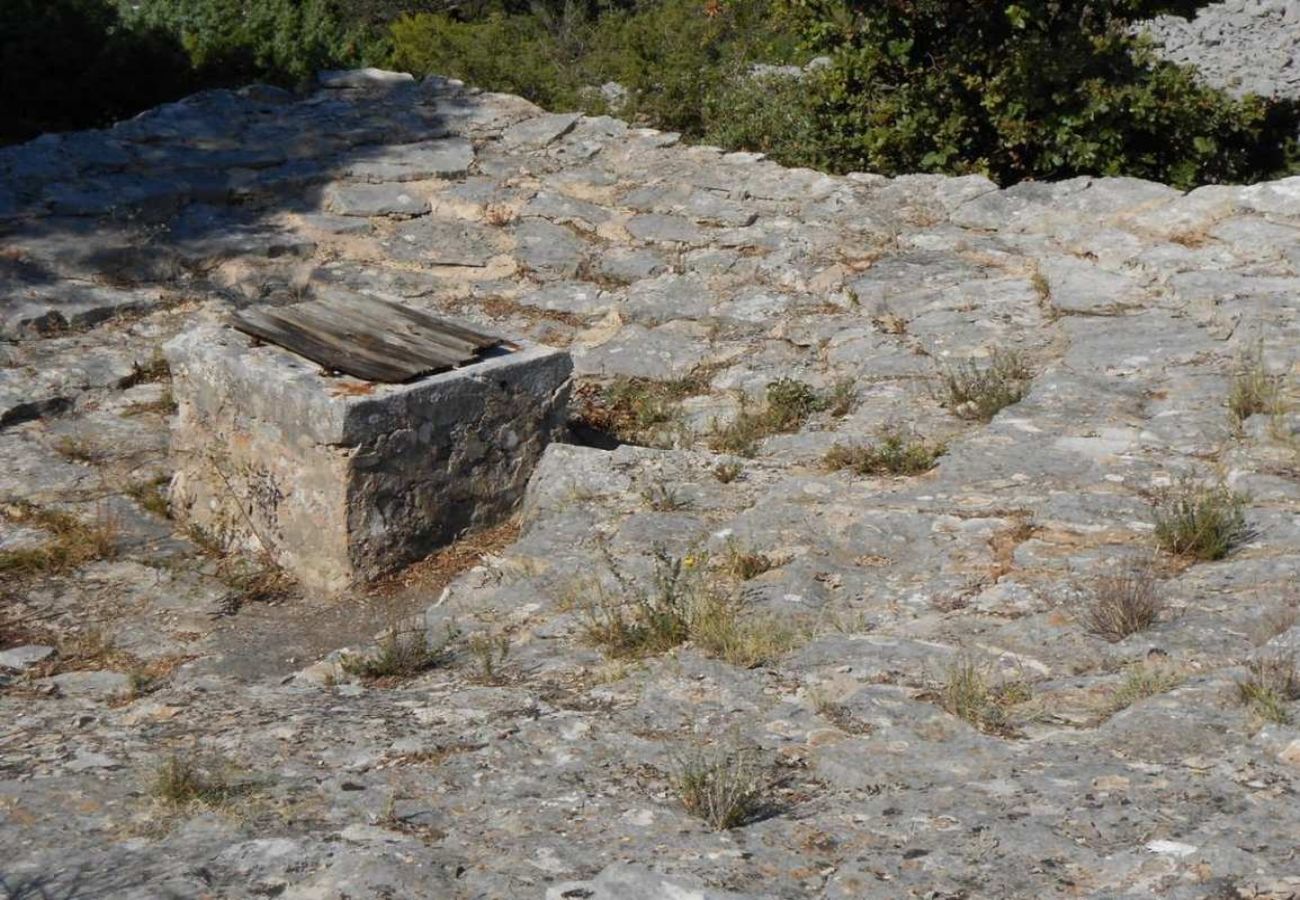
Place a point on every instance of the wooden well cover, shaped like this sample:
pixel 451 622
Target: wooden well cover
pixel 368 338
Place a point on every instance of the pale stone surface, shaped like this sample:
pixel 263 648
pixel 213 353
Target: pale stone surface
pixel 341 481
pixel 1132 303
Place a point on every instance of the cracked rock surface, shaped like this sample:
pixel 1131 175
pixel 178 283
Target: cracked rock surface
pixel 1243 46
pixel 530 761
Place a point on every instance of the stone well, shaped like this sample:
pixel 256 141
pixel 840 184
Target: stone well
pixel 342 480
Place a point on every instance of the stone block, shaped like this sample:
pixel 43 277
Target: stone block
pixel 340 480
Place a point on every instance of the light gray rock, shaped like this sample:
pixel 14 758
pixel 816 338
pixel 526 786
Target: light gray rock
pixel 374 200
pixel 20 658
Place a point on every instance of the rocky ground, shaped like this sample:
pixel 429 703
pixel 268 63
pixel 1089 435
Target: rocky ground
pixel 899 679
pixel 1244 46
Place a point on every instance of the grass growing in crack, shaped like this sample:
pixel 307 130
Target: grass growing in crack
pixel 1142 681
pixel 724 788
pixel 1123 603
pixel 1254 389
pixel 490 653
pixel 151 496
pixel 665 498
pixel 1272 682
pixel 153 369
pixel 969 692
pixel 788 405
pixel 973 391
pixel 896 453
pixel 73 542
pixel 180 782
pixel 743 564
pixel 400 654
pixel 639 410
pixel 684 604
pixel 1200 521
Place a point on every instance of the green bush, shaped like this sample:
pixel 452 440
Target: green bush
pixel 230 41
pixel 1035 89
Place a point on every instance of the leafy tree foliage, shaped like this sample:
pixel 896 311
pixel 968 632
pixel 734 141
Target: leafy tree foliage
pixel 1031 89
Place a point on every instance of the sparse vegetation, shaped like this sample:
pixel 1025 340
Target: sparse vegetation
pixel 72 542
pixel 970 692
pixel 638 410
pixel 896 453
pixel 179 782
pixel 153 369
pixel 727 472
pixel 665 498
pixel 1254 389
pixel 723 787
pixel 978 392
pixel 402 653
pixel 1272 683
pixel 1141 681
pixel 1123 602
pixel 1200 521
pixel 152 495
pixel 789 404
pixel 743 564
pixel 684 604
pixel 490 652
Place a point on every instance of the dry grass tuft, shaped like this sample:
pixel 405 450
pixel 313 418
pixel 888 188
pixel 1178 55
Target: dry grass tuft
pixel 727 472
pixel 724 788
pixel 970 692
pixel 1272 682
pixel 1141 681
pixel 1124 602
pixel 1199 521
pixel 684 605
pixel 179 782
pixel 1254 389
pixel 401 654
pixel 72 544
pixel 638 410
pixel 897 453
pixel 979 392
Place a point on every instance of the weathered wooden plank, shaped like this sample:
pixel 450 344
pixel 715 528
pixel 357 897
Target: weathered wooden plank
pixel 366 337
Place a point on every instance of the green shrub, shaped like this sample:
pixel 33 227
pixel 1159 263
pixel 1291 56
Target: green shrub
pixel 1033 89
pixel 516 54
pixel 229 41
